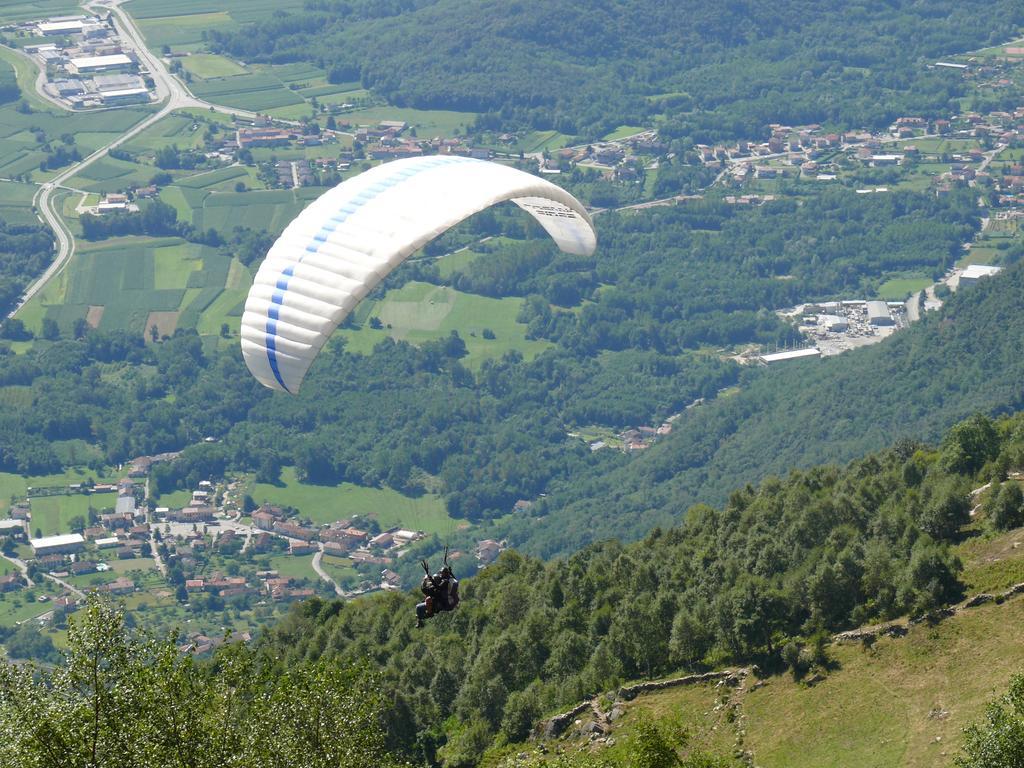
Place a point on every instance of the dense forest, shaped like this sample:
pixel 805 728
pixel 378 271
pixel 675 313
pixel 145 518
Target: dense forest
pixel 25 251
pixel 585 68
pixel 763 579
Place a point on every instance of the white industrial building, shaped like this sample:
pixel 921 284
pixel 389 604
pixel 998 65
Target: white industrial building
pixel 878 313
pixel 85 64
pixel 793 354
pixel 66 27
pixel 64 544
pixel 974 272
pixel 126 96
pixel 107 543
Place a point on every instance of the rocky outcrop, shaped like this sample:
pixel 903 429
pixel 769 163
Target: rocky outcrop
pixel 553 727
pixel 729 676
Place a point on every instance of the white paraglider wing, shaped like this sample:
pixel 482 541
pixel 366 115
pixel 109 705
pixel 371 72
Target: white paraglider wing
pixel 348 240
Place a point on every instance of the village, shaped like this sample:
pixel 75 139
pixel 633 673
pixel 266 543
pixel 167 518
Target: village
pixel 218 550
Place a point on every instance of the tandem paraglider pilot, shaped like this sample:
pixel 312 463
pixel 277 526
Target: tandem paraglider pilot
pixel 440 592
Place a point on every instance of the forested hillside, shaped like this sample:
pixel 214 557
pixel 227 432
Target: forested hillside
pixel 585 68
pixel 942 369
pixel 821 550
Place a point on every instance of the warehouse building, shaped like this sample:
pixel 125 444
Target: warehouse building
pixel 66 27
pixel 793 354
pixel 878 313
pixel 64 544
pixel 67 87
pixel 110 62
pixel 974 272
pixel 105 83
pixel 127 96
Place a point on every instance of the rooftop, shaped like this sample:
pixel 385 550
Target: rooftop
pixel 110 60
pixel 61 540
pixel 793 354
pixel 974 271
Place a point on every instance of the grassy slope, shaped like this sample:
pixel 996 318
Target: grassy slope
pixel 886 706
pixel 902 703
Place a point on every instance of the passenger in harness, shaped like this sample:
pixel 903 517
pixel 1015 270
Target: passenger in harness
pixel 440 592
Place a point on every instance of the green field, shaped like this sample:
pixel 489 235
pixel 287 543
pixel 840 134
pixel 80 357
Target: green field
pixel 25 72
pixel 241 11
pixel 254 92
pixel 980 253
pixel 175 129
pixel 341 570
pixel 900 288
pixel 51 514
pixel 175 499
pixel 902 703
pixel 427 122
pixel 290 566
pixel 28 10
pixel 16 203
pixel 419 312
pixel 210 65
pixel 898 703
pixel 326 504
pixel 20 151
pixel 272 210
pixel 17 486
pixel 622 132
pixel 182 32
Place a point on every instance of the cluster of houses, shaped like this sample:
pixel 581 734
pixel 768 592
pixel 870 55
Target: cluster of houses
pixel 620 160
pixel 339 539
pixel 384 141
pixel 809 152
pixel 85 62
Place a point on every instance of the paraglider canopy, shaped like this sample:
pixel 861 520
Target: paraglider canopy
pixel 349 239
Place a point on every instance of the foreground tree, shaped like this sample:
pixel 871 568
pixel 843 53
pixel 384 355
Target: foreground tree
pixel 125 699
pixel 998 741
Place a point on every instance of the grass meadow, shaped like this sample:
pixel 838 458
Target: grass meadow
pixel 326 504
pixel 419 312
pixel 900 288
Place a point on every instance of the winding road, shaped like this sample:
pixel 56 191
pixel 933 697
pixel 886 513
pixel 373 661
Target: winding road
pixel 323 574
pixel 169 90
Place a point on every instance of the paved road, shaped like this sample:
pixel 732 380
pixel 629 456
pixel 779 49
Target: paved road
pixel 21 565
pixel 323 574
pixel 70 588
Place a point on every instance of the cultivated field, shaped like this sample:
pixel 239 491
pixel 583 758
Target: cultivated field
pixel 16 203
pixel 27 10
pixel 133 283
